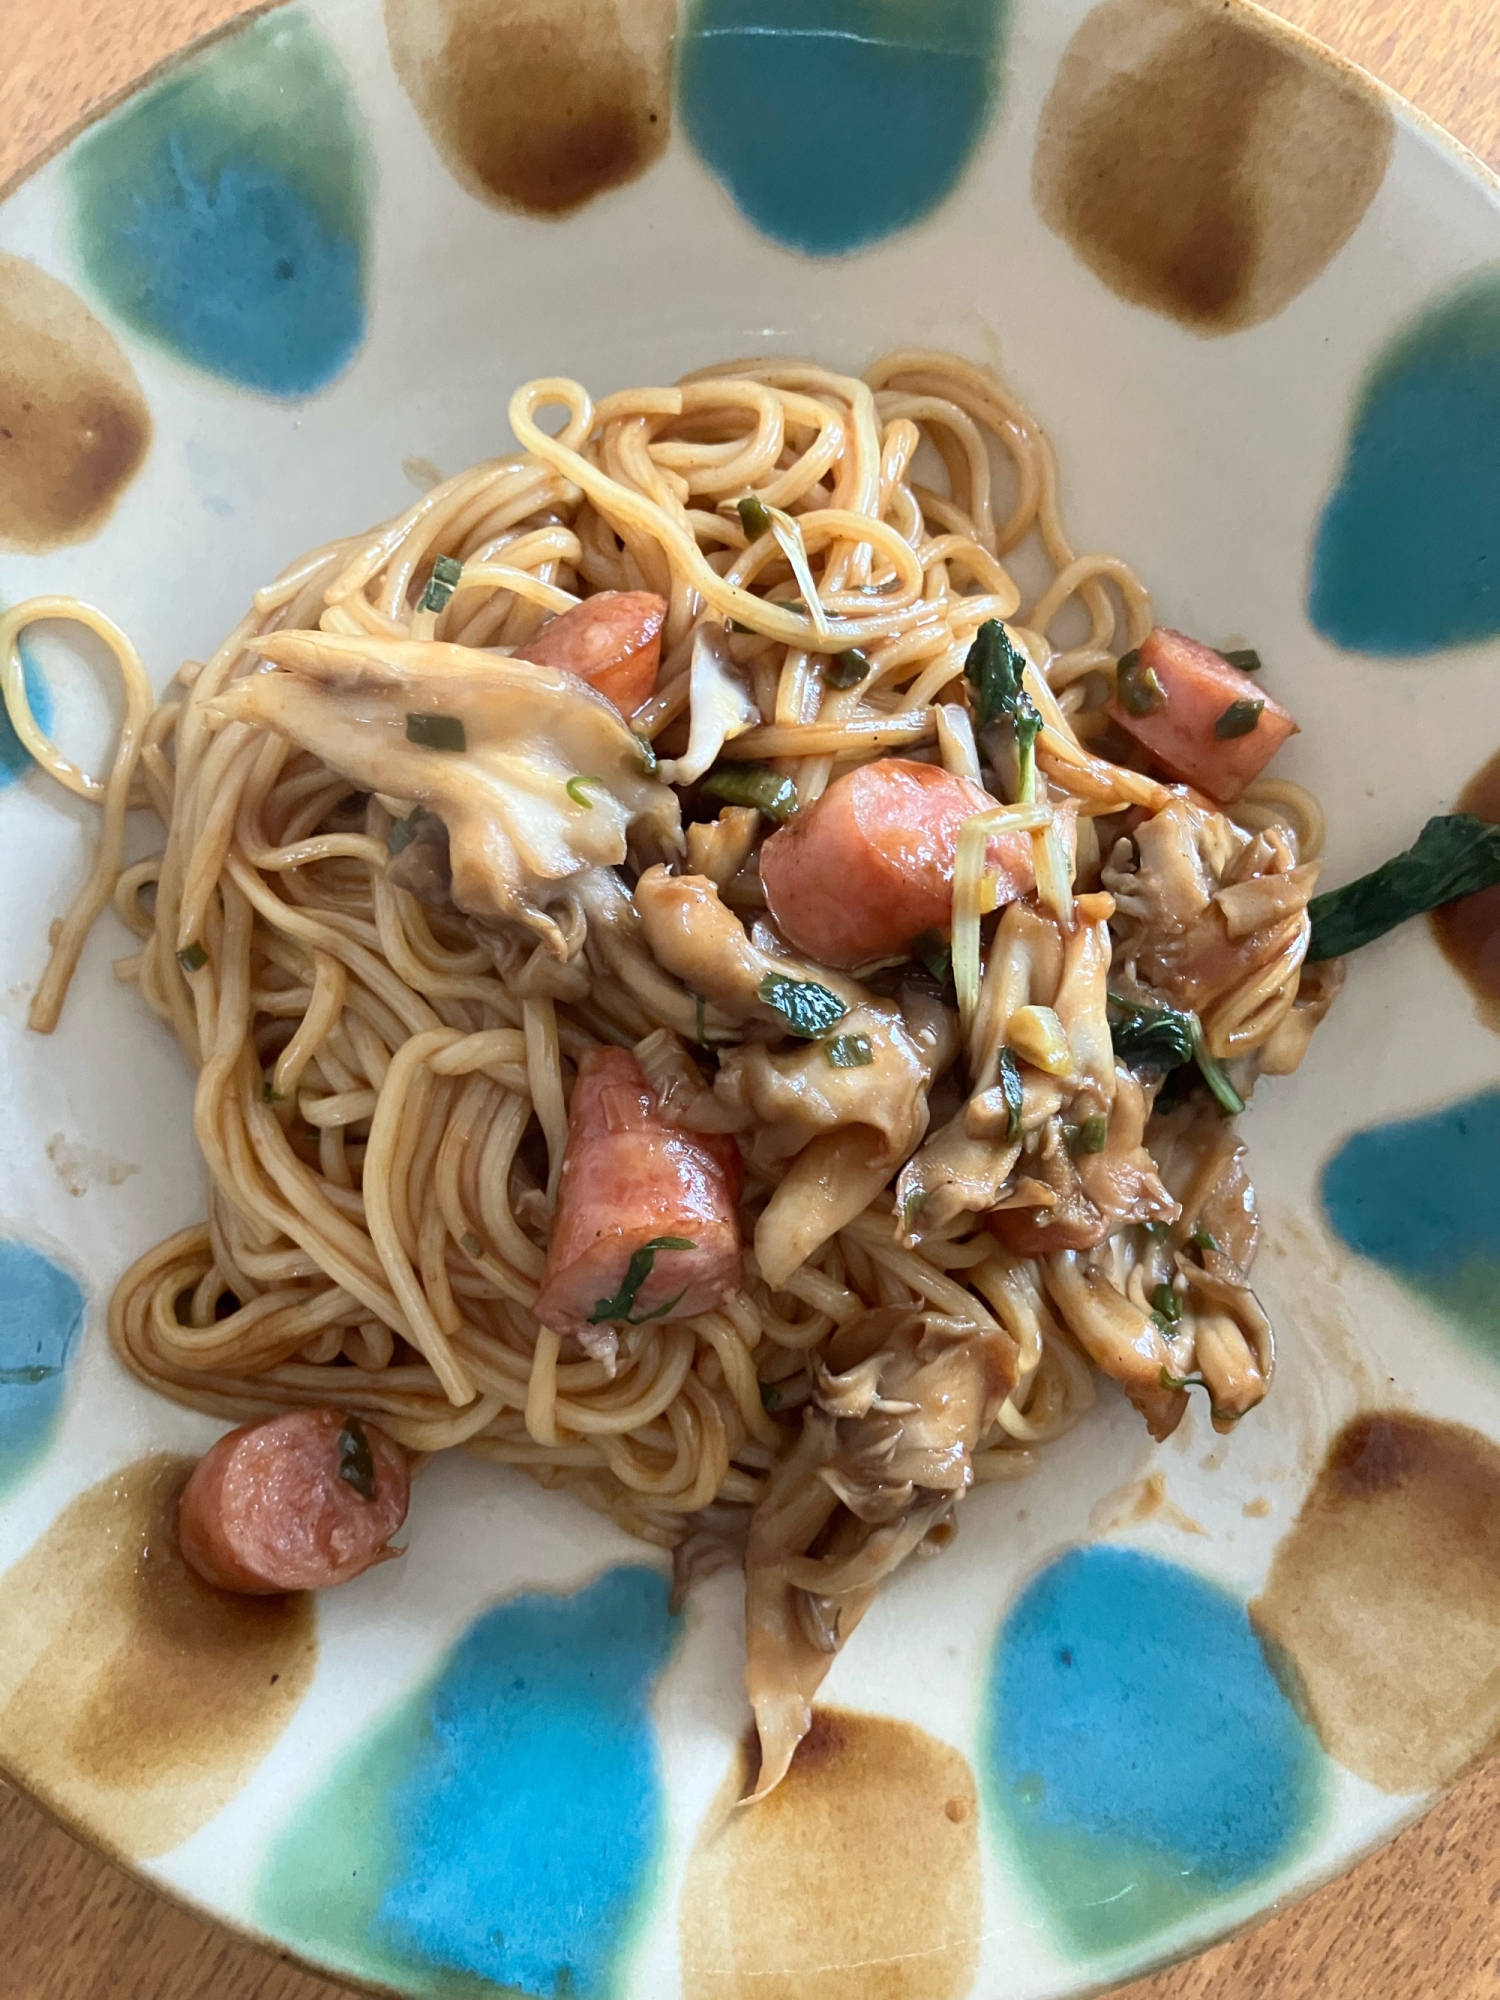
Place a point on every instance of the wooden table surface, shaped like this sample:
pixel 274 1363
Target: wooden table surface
pixel 1418 1921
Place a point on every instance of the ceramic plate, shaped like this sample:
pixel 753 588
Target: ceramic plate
pixel 1151 1691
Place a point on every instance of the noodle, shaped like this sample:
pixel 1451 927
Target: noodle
pixel 383 1090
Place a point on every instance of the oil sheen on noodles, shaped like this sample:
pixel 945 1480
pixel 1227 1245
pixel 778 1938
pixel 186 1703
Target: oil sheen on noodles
pixel 956 1215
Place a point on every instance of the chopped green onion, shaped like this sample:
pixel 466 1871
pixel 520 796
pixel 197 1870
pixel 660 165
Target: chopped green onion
pixel 745 631
pixel 1203 1239
pixel 576 792
pixel 808 1009
pixel 1094 1136
pixel 753 785
pixel 470 1244
pixel 1214 1073
pixel 1171 1381
pixel 1239 719
pixel 849 1051
pixel 911 1208
pixel 1141 693
pixel 846 669
pixel 753 517
pixel 1157 1231
pixel 441 584
pixel 649 759
pixel 935 952
pixel 403 832
pixel 1166 1302
pixel 1070 1134
pixel 1245 658
pixel 437 732
pixel 637 1271
pixel 356 1459
pixel 1013 1091
pixel 193 957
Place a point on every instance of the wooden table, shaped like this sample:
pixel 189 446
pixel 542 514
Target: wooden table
pixel 1419 1921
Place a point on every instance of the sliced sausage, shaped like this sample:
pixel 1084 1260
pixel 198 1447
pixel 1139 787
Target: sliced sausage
pixel 297 1502
pixel 628 1180
pixel 612 641
pixel 1200 695
pixel 869 866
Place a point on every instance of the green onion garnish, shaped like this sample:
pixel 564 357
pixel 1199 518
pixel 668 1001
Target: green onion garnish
pixel 1246 659
pixel 1013 1091
pixel 846 669
pixel 809 1010
pixel 356 1459
pixel 1093 1136
pixel 437 732
pixel 1238 719
pixel 440 585
pixel 753 785
pixel 1165 1302
pixel 637 1271
pixel 753 517
pixel 849 1051
pixel 193 957
pixel 577 794
pixel 1141 693
pixel 1203 1239
pixel 649 758
pixel 936 953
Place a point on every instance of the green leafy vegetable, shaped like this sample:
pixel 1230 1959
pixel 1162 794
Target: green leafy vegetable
pixel 753 785
pixel 996 667
pixel 808 1009
pixel 637 1271
pixel 441 584
pixel 1093 1135
pixel 753 517
pixel 356 1459
pixel 1157 1231
pixel 1239 719
pixel 936 953
pixel 578 796
pixel 437 732
pixel 1245 658
pixel 1171 1381
pixel 1013 1091
pixel 849 1051
pixel 1140 692
pixel 846 669
pixel 1453 856
pixel 193 957
pixel 1155 1037
pixel 1203 1239
pixel 1166 1303
pixel 745 631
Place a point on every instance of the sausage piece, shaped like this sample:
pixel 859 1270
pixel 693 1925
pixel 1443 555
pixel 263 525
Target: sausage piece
pixel 629 1179
pixel 869 866
pixel 611 640
pixel 268 1509
pixel 1200 693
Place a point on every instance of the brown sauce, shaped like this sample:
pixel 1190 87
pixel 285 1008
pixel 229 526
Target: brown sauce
pixel 856 1879
pixel 1468 931
pixel 1383 1603
pixel 135 1699
pixel 1201 163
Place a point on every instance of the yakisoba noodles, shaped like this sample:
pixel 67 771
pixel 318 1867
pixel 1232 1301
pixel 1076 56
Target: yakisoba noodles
pixel 899 893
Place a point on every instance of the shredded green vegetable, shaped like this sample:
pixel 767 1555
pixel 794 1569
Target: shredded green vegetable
pixel 1239 719
pixel 637 1271
pixel 441 584
pixel 1013 1091
pixel 1093 1136
pixel 193 957
pixel 437 732
pixel 849 1051
pixel 1453 856
pixel 577 795
pixel 753 785
pixel 1245 658
pixel 753 517
pixel 1140 692
pixel 808 1009
pixel 846 669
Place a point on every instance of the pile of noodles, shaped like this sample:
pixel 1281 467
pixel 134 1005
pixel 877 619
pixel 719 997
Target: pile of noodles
pixel 382 1114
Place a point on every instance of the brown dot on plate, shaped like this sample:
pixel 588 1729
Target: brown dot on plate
pixel 856 1879
pixel 134 1698
pixel 1202 161
pixel 1382 1609
pixel 538 104
pixel 74 426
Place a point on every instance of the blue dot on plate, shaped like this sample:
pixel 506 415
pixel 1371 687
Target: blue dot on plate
pixel 15 758
pixel 834 123
pixel 222 212
pixel 1407 559
pixel 41 1317
pixel 503 1823
pixel 1141 1760
pixel 1420 1197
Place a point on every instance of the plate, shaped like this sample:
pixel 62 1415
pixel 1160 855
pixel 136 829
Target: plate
pixel 1149 1692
